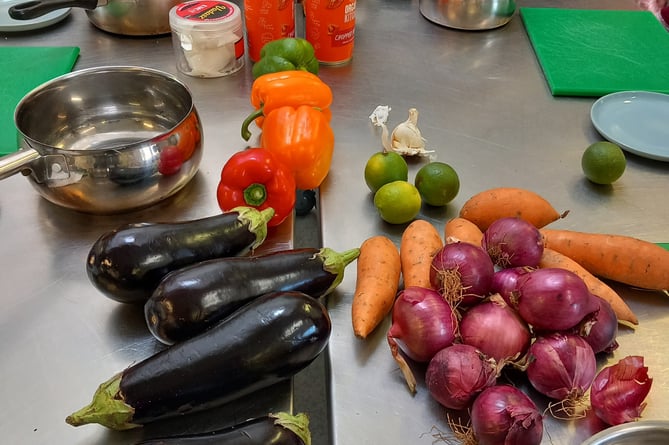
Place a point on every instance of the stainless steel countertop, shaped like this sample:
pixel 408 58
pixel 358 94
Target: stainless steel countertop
pixel 485 108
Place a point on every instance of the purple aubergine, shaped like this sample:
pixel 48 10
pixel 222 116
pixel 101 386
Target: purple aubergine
pixel 127 263
pixel 190 300
pixel 265 342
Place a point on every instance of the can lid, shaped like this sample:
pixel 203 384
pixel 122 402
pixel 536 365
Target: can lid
pixel 205 14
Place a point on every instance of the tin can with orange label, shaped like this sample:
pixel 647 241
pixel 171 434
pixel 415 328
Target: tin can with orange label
pixel 330 28
pixel 267 20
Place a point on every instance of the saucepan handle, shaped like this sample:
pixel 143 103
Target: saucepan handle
pixel 13 163
pixel 37 8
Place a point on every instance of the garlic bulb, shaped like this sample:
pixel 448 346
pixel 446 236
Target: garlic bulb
pixel 406 138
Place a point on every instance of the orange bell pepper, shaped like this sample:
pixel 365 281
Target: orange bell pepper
pixel 303 139
pixel 286 88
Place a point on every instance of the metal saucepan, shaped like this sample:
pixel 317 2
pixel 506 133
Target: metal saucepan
pixel 468 15
pixel 126 17
pixel 108 139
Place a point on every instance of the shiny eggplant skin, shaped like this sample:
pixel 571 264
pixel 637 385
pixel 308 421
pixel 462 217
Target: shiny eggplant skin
pixel 126 264
pixel 268 430
pixel 267 341
pixel 192 299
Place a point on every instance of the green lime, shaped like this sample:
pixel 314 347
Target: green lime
pixel 383 168
pixel 397 202
pixel 603 162
pixel 437 183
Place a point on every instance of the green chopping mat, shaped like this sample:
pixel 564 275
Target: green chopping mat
pixel 21 70
pixel 597 52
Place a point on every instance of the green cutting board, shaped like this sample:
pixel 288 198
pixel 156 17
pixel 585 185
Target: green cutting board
pixel 597 52
pixel 21 70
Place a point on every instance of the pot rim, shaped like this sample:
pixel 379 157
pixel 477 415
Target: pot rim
pixel 93 70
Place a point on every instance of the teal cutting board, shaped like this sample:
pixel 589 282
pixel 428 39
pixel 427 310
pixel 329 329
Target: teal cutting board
pixel 21 70
pixel 597 52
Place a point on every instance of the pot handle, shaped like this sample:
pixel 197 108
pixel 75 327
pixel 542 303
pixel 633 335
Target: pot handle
pixel 38 8
pixel 13 163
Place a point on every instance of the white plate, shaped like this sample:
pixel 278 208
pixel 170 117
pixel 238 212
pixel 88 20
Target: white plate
pixel 8 24
pixel 638 121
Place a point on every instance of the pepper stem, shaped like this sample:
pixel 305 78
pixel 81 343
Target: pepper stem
pixel 246 133
pixel 336 262
pixel 255 194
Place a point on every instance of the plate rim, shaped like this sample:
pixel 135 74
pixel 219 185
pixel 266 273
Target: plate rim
pixel 8 24
pixel 640 151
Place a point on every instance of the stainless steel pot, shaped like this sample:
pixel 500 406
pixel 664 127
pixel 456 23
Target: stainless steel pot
pixel 126 17
pixel 108 139
pixel 468 15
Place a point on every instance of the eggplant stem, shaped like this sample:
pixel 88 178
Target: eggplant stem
pixel 336 262
pixel 298 424
pixel 107 408
pixel 256 220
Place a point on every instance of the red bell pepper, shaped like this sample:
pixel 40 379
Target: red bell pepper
pixel 256 178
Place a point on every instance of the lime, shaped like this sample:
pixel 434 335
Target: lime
pixel 603 162
pixel 397 202
pixel 383 168
pixel 437 183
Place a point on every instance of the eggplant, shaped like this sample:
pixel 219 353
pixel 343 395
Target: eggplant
pixel 190 300
pixel 127 263
pixel 267 341
pixel 275 429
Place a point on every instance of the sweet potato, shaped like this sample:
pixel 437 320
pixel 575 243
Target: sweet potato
pixel 376 285
pixel 551 258
pixel 619 258
pixel 461 229
pixel 420 242
pixel 502 202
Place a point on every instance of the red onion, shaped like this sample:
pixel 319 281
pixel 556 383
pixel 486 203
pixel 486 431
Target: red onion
pixel 601 330
pixel 503 414
pixel 423 324
pixel 562 367
pixel 495 329
pixel 553 299
pixel 457 373
pixel 618 391
pixel 462 273
pixel 513 242
pixel 505 283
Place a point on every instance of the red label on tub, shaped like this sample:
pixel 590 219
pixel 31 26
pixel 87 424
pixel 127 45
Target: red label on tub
pixel 205 10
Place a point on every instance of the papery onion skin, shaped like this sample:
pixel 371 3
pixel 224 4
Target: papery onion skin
pixel 504 415
pixel 456 374
pixel 601 330
pixel 513 242
pixel 462 273
pixel 505 283
pixel 618 392
pixel 553 299
pixel 423 323
pixel 561 366
pixel 495 329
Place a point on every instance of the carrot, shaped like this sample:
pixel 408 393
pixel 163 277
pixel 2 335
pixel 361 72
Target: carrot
pixel 487 206
pixel 376 285
pixel 619 258
pixel 551 258
pixel 461 229
pixel 420 242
